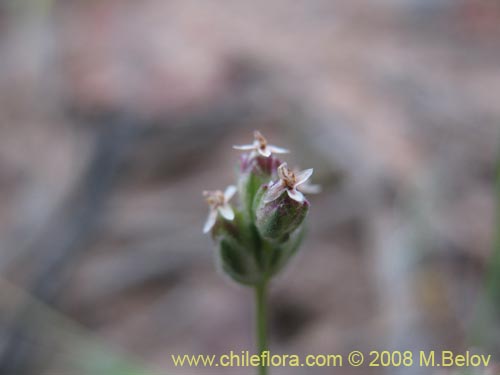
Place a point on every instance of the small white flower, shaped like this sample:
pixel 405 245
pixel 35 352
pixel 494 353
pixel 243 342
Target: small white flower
pixel 288 181
pixel 260 146
pixel 218 202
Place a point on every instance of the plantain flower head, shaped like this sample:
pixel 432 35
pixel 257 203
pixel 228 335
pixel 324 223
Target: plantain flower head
pixel 257 237
pixel 218 203
pixel 261 147
pixel 290 182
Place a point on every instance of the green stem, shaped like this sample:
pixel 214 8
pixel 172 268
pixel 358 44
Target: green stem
pixel 261 316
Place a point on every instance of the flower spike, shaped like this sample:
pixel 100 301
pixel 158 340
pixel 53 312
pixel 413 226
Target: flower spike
pixel 256 238
pixel 218 202
pixel 261 147
pixel 288 181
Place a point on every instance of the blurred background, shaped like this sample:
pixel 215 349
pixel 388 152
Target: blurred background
pixel 115 115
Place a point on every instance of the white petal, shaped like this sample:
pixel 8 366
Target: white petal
pixel 244 147
pixel 274 191
pixel 226 211
pixel 228 194
pixel 266 152
pixel 278 150
pixel 212 217
pixel 295 195
pixel 302 176
pixel 309 188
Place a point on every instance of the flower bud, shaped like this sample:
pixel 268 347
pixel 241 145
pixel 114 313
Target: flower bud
pixel 279 207
pixel 248 258
pixel 238 262
pixel 281 253
pixel 236 242
pixel 278 218
pixel 254 172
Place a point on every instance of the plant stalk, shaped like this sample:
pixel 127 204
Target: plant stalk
pixel 261 322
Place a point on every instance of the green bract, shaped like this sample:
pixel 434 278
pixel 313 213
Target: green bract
pixel 277 219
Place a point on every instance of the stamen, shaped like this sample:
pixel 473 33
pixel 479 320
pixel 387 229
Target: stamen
pixel 261 139
pixel 214 198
